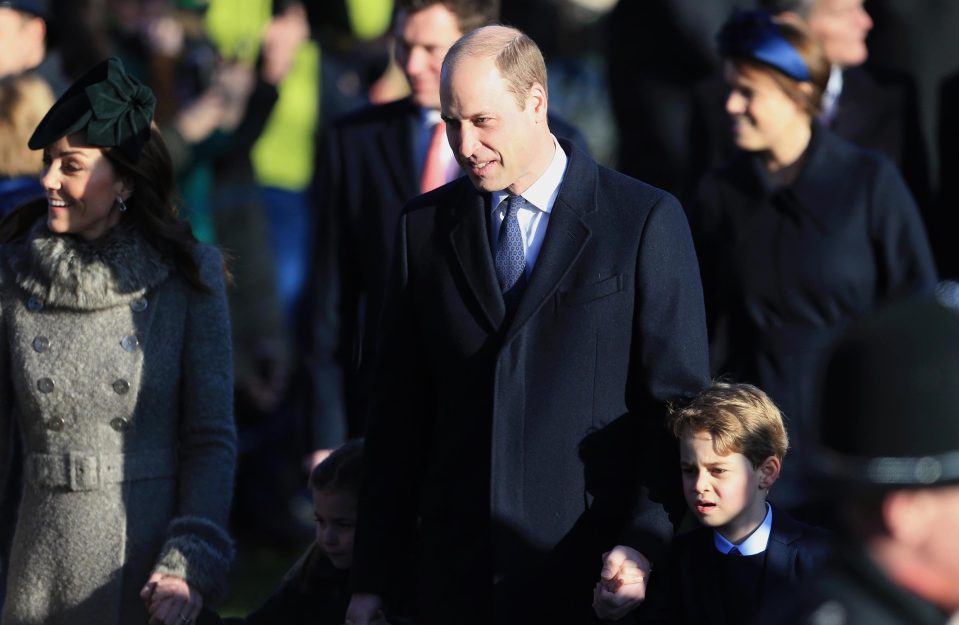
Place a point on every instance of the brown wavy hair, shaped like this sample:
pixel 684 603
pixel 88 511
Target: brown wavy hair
pixel 741 418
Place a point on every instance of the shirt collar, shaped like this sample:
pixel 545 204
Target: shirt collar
pixel 429 117
pixel 755 543
pixel 834 86
pixel 542 193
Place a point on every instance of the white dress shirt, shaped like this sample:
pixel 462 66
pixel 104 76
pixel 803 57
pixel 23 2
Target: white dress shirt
pixel 830 97
pixel 754 543
pixel 533 217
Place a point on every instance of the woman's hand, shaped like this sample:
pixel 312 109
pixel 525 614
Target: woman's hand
pixel 170 600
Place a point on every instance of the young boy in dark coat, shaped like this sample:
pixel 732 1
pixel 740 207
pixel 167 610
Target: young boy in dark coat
pixel 316 590
pixel 732 443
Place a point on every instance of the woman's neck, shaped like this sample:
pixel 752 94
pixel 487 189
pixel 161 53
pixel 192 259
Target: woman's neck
pixel 784 160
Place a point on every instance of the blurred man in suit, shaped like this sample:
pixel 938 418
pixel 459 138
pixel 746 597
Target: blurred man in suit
pixel 24 34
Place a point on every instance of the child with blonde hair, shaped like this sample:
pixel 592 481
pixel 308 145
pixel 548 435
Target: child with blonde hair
pixel 732 443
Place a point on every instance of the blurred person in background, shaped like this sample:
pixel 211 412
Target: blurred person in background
pixel 917 37
pixel 226 106
pixel 799 234
pixel 886 449
pixel 659 51
pixel 24 35
pixel 868 105
pixel 315 591
pixel 24 100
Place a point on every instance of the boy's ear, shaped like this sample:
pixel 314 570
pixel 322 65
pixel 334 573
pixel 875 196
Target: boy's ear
pixel 769 472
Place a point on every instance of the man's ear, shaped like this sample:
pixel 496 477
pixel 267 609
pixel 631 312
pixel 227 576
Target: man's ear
pixel 907 514
pixel 791 17
pixel 769 472
pixel 37 29
pixel 537 100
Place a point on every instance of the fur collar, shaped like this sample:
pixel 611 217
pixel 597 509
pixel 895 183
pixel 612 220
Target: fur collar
pixel 69 272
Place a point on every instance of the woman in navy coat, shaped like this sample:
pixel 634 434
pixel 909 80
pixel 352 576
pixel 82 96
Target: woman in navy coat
pixel 800 233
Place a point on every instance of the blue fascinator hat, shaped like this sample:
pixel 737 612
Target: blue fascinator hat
pixel 111 107
pixel 754 35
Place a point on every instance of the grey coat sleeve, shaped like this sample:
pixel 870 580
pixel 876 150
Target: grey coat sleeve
pixel 198 547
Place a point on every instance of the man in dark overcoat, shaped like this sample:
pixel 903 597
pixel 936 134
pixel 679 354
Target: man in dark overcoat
pixel 371 162
pixel 542 313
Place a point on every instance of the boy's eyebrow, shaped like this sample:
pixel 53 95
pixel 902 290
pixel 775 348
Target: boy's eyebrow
pixel 718 463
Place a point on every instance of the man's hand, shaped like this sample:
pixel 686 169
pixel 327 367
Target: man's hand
pixel 622 586
pixel 365 609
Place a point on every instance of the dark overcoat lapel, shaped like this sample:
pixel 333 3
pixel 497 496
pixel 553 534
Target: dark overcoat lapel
pixel 565 238
pixel 470 241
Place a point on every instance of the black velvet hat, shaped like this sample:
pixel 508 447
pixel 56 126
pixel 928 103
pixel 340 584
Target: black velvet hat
pixel 36 7
pixel 890 412
pixel 112 108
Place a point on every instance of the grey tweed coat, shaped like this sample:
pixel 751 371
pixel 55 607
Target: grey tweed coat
pixel 119 377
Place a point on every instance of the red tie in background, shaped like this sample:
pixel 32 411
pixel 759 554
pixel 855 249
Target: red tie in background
pixel 434 169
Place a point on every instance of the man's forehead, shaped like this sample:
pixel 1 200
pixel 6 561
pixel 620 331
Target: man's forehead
pixel 437 22
pixel 466 73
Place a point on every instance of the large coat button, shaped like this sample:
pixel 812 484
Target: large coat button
pixel 130 342
pixel 41 344
pixel 121 387
pixel 119 424
pixel 55 424
pixel 45 385
pixel 138 305
pixel 34 304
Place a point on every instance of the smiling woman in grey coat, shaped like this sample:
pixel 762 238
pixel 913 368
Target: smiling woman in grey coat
pixel 115 370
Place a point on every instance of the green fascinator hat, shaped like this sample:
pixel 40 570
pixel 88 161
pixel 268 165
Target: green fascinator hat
pixel 112 108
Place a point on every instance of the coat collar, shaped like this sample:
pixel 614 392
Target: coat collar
pixel 566 236
pixel 69 272
pixel 812 192
pixel 397 142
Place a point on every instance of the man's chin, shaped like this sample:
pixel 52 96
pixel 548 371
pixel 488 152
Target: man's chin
pixel 484 185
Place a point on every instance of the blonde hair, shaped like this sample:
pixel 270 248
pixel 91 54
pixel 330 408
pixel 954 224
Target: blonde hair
pixel 740 417
pixel 24 100
pixel 517 58
pixel 812 54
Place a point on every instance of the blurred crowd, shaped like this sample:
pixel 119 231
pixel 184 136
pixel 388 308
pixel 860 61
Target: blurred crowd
pixel 248 92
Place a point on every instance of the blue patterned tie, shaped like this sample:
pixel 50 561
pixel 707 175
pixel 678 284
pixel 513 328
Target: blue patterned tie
pixel 510 256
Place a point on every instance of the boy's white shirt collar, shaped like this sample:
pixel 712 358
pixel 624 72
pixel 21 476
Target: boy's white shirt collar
pixel 755 543
pixel 542 193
